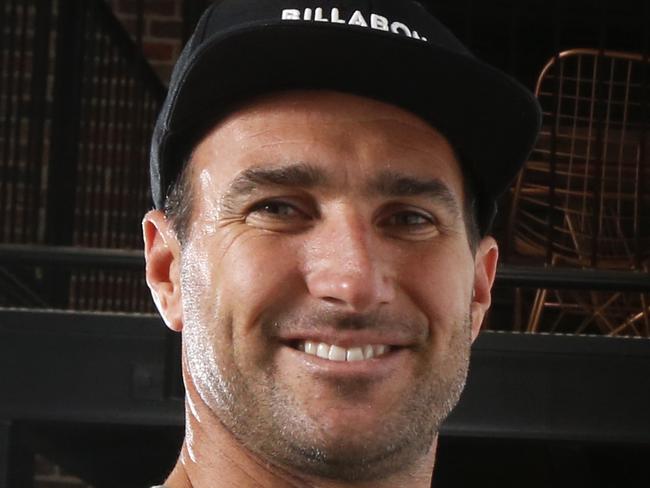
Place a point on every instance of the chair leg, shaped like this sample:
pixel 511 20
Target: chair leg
pixel 646 315
pixel 630 322
pixel 558 320
pixel 597 314
pixel 517 319
pixel 536 312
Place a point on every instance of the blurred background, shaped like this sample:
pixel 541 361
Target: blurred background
pixel 90 388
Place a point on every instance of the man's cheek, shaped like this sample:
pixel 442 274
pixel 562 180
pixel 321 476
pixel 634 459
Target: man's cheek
pixel 259 278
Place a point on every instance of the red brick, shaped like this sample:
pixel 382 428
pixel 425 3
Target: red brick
pixel 164 72
pixel 172 29
pixel 125 6
pixel 158 51
pixel 151 7
pixel 130 24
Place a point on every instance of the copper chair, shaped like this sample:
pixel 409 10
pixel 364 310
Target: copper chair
pixel 583 198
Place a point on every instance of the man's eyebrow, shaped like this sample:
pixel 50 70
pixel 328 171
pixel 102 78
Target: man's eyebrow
pixel 301 175
pixel 394 184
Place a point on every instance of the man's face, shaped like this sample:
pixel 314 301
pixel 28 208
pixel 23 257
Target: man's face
pixel 329 225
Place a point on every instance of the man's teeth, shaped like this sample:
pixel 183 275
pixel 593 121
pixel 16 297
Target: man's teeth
pixel 336 353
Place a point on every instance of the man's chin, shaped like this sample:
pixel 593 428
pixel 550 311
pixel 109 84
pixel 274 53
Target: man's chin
pixel 353 458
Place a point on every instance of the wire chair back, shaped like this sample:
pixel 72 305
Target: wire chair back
pixel 583 198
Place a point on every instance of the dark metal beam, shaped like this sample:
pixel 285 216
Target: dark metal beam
pixel 66 109
pixel 109 369
pixel 553 387
pixel 572 278
pixel 507 275
pixel 87 368
pixel 5 442
pixel 16 459
pixel 70 256
pixel 64 146
pixel 129 51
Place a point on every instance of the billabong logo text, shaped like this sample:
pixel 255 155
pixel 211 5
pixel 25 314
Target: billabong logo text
pixel 334 16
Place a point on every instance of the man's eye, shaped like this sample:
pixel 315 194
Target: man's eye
pixel 409 225
pixel 408 219
pixel 280 209
pixel 280 216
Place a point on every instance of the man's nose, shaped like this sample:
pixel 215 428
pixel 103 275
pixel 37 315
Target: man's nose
pixel 347 266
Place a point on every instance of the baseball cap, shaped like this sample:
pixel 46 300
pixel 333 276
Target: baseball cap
pixel 390 50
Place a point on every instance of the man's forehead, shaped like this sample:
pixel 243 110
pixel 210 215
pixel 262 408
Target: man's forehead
pixel 329 107
pixel 304 124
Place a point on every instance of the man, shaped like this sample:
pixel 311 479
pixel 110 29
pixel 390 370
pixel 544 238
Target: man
pixel 325 175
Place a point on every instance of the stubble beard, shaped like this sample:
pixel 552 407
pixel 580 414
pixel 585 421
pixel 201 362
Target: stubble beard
pixel 269 420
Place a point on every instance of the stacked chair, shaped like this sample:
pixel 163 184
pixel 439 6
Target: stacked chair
pixel 583 198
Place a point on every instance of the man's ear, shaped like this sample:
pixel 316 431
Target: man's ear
pixel 485 267
pixel 162 256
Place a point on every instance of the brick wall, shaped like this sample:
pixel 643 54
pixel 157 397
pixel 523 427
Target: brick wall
pixel 162 36
pixel 162 30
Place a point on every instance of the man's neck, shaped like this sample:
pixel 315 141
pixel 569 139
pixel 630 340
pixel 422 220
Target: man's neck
pixel 211 457
pixel 229 472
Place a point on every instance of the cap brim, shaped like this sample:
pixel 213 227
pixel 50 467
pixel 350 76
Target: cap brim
pixel 490 119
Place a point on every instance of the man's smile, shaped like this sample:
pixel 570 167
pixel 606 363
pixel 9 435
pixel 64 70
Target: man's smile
pixel 333 344
pixel 356 360
pixel 338 353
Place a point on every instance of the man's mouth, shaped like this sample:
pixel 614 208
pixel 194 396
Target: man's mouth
pixel 333 352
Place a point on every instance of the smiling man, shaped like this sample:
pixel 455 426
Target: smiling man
pixel 325 177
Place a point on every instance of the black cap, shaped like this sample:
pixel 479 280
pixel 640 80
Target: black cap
pixel 391 50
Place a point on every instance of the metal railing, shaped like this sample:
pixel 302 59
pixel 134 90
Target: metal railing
pixel 78 102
